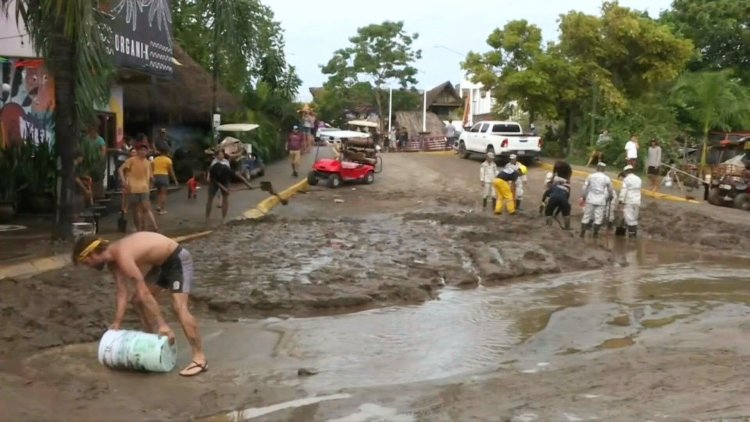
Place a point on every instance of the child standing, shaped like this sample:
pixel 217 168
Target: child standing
pixel 487 173
pixel 192 185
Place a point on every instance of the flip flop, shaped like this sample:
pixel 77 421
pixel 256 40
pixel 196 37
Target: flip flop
pixel 193 365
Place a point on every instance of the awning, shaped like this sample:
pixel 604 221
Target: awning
pixel 237 127
pixel 365 123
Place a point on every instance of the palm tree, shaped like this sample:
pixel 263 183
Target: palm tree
pixel 714 100
pixel 71 38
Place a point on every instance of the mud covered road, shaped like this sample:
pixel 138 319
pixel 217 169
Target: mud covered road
pixel 423 307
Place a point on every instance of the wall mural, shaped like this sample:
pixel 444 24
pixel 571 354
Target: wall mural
pixel 27 101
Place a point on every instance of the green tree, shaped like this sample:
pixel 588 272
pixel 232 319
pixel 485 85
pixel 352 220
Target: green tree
pixel 238 40
pixel 379 54
pixel 333 101
pixel 599 65
pixel 625 53
pixel 720 30
pixel 714 100
pixel 509 69
pixel 73 40
pixel 274 114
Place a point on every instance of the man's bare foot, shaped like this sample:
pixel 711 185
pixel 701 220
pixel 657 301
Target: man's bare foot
pixel 195 368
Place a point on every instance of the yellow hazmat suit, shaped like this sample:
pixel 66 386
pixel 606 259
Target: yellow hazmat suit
pixel 502 184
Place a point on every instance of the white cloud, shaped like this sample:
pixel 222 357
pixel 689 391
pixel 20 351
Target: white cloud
pixel 314 30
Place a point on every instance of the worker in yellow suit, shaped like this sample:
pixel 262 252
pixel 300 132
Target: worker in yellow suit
pixel 504 185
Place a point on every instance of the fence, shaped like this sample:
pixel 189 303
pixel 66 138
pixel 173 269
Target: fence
pixel 426 143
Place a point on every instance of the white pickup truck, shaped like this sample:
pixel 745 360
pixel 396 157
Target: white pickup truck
pixel 502 138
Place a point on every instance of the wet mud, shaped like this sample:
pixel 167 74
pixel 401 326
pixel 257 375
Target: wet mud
pixel 305 266
pixel 405 284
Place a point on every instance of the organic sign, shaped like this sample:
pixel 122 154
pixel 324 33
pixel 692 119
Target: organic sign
pixel 142 35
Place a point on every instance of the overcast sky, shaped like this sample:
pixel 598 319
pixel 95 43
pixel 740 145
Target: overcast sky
pixel 315 29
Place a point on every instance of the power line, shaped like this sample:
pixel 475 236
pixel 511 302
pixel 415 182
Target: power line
pixel 14 36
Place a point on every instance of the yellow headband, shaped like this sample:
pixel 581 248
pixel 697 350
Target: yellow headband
pixel 90 248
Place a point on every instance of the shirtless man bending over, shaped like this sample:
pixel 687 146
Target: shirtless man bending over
pixel 166 265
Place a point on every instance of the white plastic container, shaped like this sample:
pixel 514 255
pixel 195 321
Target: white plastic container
pixel 136 351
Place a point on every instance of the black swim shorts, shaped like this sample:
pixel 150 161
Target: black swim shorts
pixel 175 274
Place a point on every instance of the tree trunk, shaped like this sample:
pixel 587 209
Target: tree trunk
pixel 214 74
pixel 567 128
pixel 67 132
pixel 379 102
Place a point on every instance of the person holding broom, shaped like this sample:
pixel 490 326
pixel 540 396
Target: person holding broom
pixel 220 176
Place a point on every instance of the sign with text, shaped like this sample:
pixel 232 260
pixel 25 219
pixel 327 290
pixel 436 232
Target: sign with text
pixel 142 35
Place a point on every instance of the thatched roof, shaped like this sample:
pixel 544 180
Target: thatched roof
pixel 186 97
pixel 444 94
pixel 412 121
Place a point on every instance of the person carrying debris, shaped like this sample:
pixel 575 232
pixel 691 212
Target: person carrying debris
pixel 504 185
pixel 557 199
pixel 146 263
pixel 630 199
pixel 487 172
pixel 597 190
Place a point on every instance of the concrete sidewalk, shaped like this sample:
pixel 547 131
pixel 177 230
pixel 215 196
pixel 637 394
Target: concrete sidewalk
pixel 184 221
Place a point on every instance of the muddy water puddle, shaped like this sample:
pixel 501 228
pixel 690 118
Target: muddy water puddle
pixel 523 326
pixel 651 298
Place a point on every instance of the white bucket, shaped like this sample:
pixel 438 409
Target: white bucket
pixel 82 229
pixel 134 350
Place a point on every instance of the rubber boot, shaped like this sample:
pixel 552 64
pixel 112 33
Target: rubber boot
pixel 596 230
pixel 484 204
pixel 518 205
pixel 566 223
pixel 633 231
pixel 494 204
pixel 583 230
pixel 548 221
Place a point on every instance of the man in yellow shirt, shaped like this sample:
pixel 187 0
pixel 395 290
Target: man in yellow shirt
pixel 163 169
pixel 136 175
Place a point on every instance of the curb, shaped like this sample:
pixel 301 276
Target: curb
pixel 266 205
pixel 618 184
pixel 41 265
pixel 444 153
